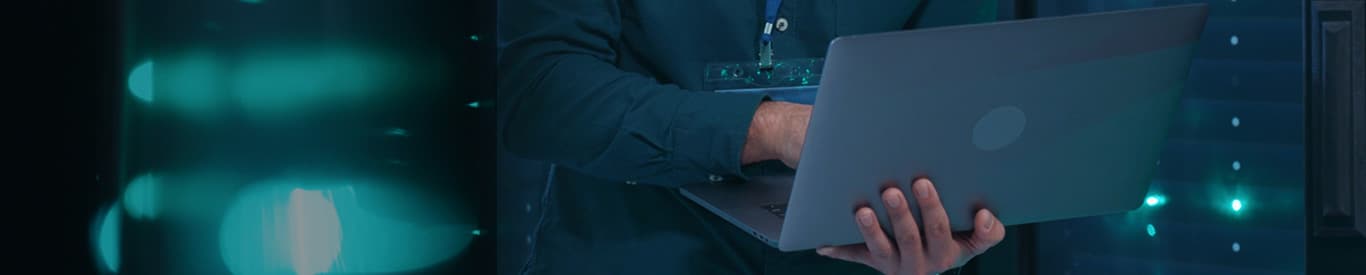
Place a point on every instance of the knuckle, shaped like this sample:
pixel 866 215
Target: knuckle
pixel 881 256
pixel 905 236
pixel 929 202
pixel 933 204
pixel 938 229
pixel 869 229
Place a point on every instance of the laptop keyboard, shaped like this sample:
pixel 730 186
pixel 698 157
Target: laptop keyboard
pixel 777 209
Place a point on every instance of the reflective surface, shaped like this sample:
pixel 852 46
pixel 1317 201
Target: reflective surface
pixel 301 137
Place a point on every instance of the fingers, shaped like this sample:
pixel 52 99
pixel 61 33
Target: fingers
pixel 904 227
pixel 876 251
pixel 929 250
pixel 940 246
pixel 987 232
pixel 880 249
pixel 857 253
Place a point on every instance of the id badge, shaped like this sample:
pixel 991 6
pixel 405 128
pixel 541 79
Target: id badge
pixel 791 80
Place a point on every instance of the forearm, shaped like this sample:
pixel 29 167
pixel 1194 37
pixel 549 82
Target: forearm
pixel 777 131
pixel 587 115
pixel 759 141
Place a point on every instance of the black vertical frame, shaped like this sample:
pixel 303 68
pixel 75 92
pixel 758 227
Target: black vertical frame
pixel 1335 135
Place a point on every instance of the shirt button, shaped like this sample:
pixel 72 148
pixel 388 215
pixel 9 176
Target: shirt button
pixel 715 178
pixel 781 24
pixel 630 182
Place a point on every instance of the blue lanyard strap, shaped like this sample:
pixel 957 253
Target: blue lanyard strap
pixel 770 17
pixel 766 38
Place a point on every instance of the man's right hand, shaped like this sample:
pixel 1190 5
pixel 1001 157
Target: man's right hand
pixel 777 132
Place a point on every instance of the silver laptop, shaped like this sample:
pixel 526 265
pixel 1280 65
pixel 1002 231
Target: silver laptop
pixel 1036 120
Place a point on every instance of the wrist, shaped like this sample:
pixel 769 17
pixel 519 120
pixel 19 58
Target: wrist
pixel 761 142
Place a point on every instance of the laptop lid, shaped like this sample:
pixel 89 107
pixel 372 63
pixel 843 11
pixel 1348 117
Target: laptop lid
pixel 1036 120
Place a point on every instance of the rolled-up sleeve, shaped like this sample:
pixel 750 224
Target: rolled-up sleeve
pixel 563 100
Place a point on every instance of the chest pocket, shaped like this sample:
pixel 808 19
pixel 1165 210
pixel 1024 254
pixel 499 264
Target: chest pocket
pixel 744 75
pixel 860 17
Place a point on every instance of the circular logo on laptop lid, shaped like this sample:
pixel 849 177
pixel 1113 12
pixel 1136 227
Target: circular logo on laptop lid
pixel 998 128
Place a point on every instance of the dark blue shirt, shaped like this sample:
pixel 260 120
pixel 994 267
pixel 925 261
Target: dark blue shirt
pixel 612 92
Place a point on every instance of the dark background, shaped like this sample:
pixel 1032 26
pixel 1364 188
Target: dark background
pixel 64 70
pixel 62 62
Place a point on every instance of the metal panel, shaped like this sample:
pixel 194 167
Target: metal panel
pixel 1335 102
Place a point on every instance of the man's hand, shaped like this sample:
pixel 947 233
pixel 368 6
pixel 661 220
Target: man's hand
pixel 777 132
pixel 909 254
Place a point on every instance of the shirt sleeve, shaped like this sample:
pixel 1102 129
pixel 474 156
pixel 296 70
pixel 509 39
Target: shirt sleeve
pixel 563 100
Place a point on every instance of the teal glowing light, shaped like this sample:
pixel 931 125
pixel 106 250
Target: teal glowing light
pixel 1237 165
pixel 1237 205
pixel 473 104
pixel 1235 122
pixel 476 232
pixel 474 37
pixel 107 239
pixel 306 227
pixel 1155 200
pixel 398 132
pixel 192 84
pixel 252 1
pixel 284 83
pixel 140 82
pixel 141 197
pixel 1152 231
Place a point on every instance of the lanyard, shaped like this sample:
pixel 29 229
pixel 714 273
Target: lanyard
pixel 766 39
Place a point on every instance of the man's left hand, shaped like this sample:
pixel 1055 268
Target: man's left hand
pixel 909 254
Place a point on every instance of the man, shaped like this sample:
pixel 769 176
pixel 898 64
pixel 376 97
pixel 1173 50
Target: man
pixel 612 92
